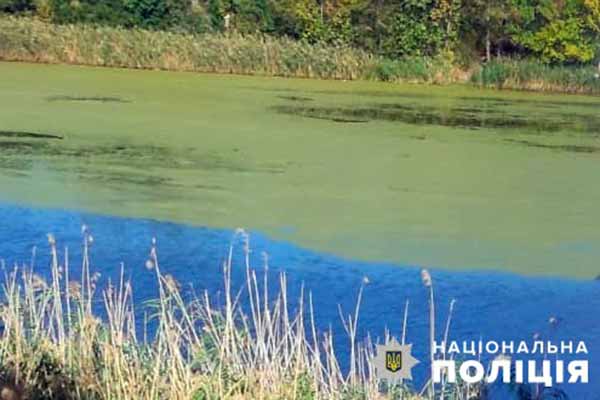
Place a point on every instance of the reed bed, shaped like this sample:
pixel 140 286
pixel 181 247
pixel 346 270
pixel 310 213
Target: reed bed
pixel 536 76
pixel 32 40
pixel 25 39
pixel 55 345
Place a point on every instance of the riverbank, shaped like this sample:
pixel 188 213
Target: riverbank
pixel 31 40
pixel 66 337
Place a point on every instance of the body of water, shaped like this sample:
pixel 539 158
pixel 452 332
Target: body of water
pixel 489 306
pixel 496 192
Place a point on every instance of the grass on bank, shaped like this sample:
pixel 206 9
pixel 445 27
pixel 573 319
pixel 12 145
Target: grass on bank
pixel 27 39
pixel 531 75
pixel 53 345
pixel 31 40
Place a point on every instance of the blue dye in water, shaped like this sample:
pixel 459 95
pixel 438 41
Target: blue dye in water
pixel 489 305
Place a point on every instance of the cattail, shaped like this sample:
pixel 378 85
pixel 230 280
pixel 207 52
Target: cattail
pixel 265 257
pixel 38 283
pixel 149 264
pixel 74 289
pixel 171 283
pixel 426 278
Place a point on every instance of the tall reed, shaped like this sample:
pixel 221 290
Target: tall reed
pixel 536 76
pixel 27 39
pixel 55 345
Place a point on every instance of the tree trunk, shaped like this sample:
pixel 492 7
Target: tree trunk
pixel 488 46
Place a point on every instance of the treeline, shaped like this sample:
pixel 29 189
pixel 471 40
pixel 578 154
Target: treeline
pixel 552 31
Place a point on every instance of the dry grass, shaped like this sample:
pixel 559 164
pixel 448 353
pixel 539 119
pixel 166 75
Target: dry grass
pixel 53 345
pixel 24 39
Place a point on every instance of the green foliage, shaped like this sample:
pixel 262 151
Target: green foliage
pixel 560 41
pixel 216 13
pixel 109 12
pixel 305 388
pixel 16 6
pixel 557 32
pixel 148 14
pixel 32 40
pixel 409 36
pixel 252 16
pixel 553 31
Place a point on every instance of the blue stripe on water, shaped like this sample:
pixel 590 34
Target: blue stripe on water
pixel 490 305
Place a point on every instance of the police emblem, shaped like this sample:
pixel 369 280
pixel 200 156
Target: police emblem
pixel 394 361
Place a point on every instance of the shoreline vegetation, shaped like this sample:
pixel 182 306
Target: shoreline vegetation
pixel 250 344
pixel 28 39
pixel 54 344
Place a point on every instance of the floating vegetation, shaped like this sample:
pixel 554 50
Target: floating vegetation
pixel 22 148
pixel 458 116
pixel 499 101
pixel 301 99
pixel 28 135
pixel 100 99
pixel 122 164
pixel 562 147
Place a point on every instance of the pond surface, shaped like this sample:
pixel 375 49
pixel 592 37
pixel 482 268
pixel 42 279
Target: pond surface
pixel 450 177
pixel 489 306
pixel 335 180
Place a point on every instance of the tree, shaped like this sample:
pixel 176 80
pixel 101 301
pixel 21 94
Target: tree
pixel 493 18
pixel 558 31
pixel 150 14
pixel 216 15
pixel 417 28
pixel 16 6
